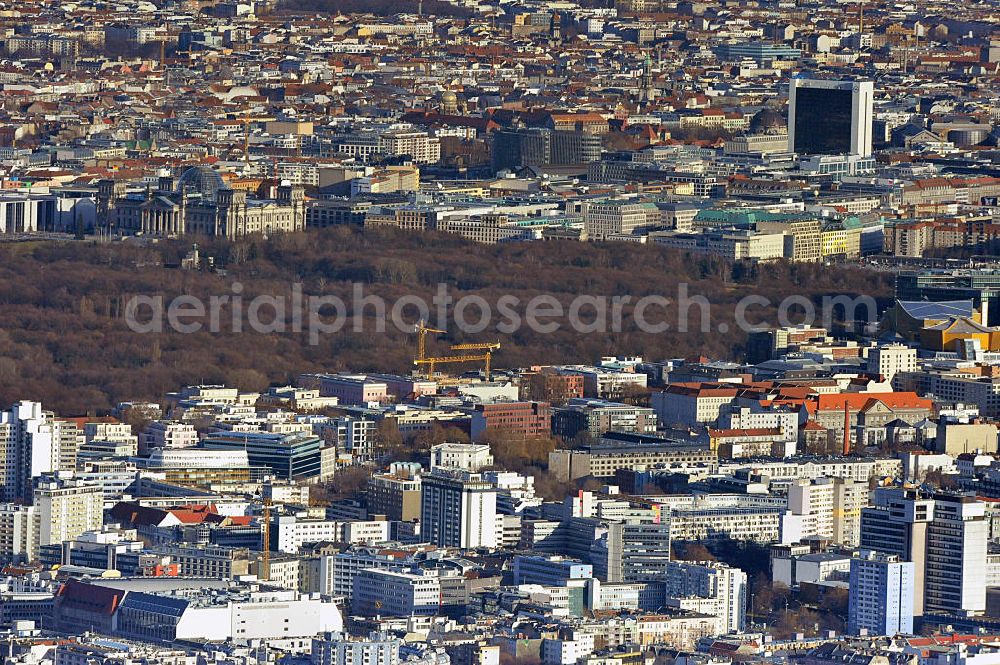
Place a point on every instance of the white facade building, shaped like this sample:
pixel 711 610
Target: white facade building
pixel 401 594
pixel 294 532
pixel 170 435
pixel 464 456
pixel 67 509
pixel 725 585
pixel 956 556
pixel 458 509
pixel 30 447
pixel 337 649
pixel 881 595
pixel 891 359
pixel 20 529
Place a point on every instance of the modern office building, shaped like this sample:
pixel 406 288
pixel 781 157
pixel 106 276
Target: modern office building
pixel 956 556
pixel 945 538
pixel 351 434
pixel 321 213
pixel 597 416
pixel 609 218
pixel 725 585
pixel 113 549
pixel 517 148
pixel 293 456
pixel 830 117
pixel 458 509
pixel 199 467
pixel 527 419
pixel 337 572
pixel 636 552
pixel 24 212
pixel 897 524
pixel 395 495
pixel 763 53
pixel 399 594
pixel 881 595
pixel 549 570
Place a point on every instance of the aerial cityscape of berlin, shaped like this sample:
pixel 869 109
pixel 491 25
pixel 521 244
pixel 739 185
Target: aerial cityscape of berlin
pixel 499 332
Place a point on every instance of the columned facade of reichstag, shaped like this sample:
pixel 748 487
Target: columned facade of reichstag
pixel 199 204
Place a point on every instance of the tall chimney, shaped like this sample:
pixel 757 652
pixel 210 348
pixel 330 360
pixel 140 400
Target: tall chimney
pixel 847 428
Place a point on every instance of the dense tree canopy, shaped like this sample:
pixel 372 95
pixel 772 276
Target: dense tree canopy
pixel 64 338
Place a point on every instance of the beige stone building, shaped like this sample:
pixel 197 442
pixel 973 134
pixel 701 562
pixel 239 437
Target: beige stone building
pixel 200 203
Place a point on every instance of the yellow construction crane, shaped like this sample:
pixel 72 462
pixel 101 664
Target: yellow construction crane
pixel 478 346
pixel 422 359
pixel 265 559
pixel 422 331
pixel 485 358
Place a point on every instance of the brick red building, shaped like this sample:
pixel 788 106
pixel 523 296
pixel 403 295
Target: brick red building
pixel 550 386
pixel 524 418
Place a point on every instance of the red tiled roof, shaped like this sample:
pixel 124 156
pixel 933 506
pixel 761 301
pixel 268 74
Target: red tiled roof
pixel 858 401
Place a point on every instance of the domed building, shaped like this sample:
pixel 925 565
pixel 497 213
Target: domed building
pixel 449 103
pixel 200 203
pixel 203 180
pixel 767 121
pixel 766 133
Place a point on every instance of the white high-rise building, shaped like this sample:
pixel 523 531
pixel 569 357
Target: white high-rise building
pixel 813 499
pixel 830 117
pixel 30 446
pixel 892 359
pixel 954 578
pixel 67 509
pixel 458 509
pixel 881 595
pixel 19 532
pixel 849 498
pixel 946 539
pixel 67 440
pixel 898 523
pixel 725 585
pixel 830 507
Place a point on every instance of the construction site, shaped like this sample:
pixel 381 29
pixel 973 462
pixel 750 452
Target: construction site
pixel 476 352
